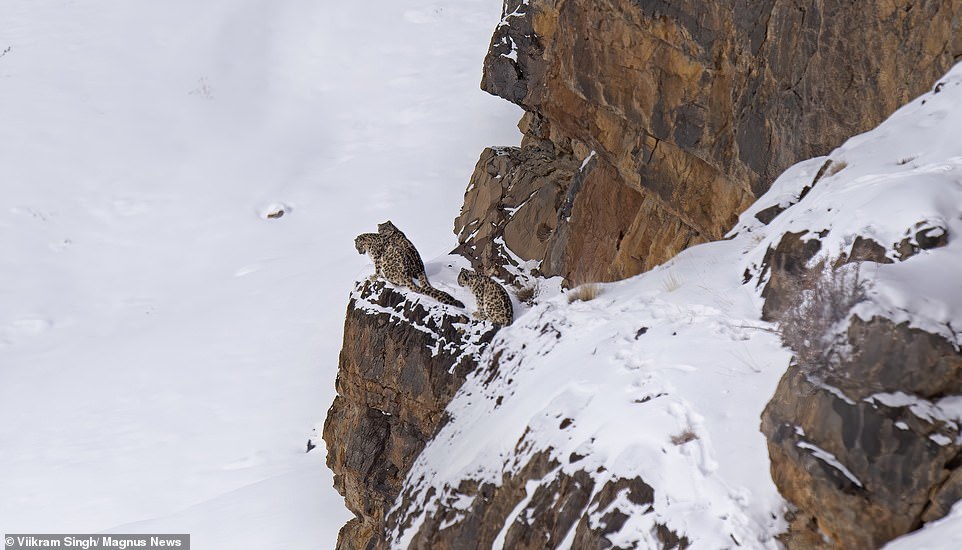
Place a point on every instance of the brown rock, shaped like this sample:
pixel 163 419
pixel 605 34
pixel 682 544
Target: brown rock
pixel 695 107
pixel 785 265
pixel 865 249
pixel 615 232
pixel 924 236
pixel 445 529
pixel 855 439
pixel 396 374
pixel 864 471
pixel 513 199
pixel 561 502
pixel 583 223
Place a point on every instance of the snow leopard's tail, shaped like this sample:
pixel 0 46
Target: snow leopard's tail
pixel 439 295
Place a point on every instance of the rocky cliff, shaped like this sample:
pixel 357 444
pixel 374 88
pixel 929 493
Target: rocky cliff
pixel 649 127
pixel 404 357
pixel 863 428
pixel 687 111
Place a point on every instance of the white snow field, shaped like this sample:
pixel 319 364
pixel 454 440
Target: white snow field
pixel 165 348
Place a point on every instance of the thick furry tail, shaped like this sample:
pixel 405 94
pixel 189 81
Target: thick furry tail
pixel 439 295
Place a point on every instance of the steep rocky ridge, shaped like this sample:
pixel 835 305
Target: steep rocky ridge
pixel 688 110
pixel 404 357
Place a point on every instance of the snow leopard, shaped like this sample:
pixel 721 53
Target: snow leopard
pixel 400 264
pixel 400 240
pixel 494 304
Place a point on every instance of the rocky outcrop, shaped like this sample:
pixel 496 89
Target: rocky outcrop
pixel 871 450
pixel 403 358
pixel 687 111
pixel 865 439
pixel 560 506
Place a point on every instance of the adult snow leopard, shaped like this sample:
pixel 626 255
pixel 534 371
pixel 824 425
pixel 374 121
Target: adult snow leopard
pixel 398 262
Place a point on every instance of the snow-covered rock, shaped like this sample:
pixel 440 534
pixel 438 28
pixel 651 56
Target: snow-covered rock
pixel 633 418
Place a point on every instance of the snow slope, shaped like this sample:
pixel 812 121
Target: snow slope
pixel 678 350
pixel 943 534
pixel 665 375
pixel 165 348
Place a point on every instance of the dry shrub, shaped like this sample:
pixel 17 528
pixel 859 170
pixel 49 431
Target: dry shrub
pixel 671 283
pixel 584 293
pixel 528 292
pixel 819 301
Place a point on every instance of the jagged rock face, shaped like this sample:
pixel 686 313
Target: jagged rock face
pixel 863 433
pixel 855 452
pixel 867 448
pixel 692 109
pixel 561 507
pixel 513 191
pixel 400 364
pixel 543 203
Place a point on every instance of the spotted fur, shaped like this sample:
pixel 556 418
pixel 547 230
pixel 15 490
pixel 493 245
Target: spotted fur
pixel 399 263
pixel 371 244
pixel 410 253
pixel 494 304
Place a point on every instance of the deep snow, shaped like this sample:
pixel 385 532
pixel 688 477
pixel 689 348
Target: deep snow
pixel 165 349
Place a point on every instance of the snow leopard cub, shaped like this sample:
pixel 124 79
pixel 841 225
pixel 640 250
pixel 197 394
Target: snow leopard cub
pixel 494 304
